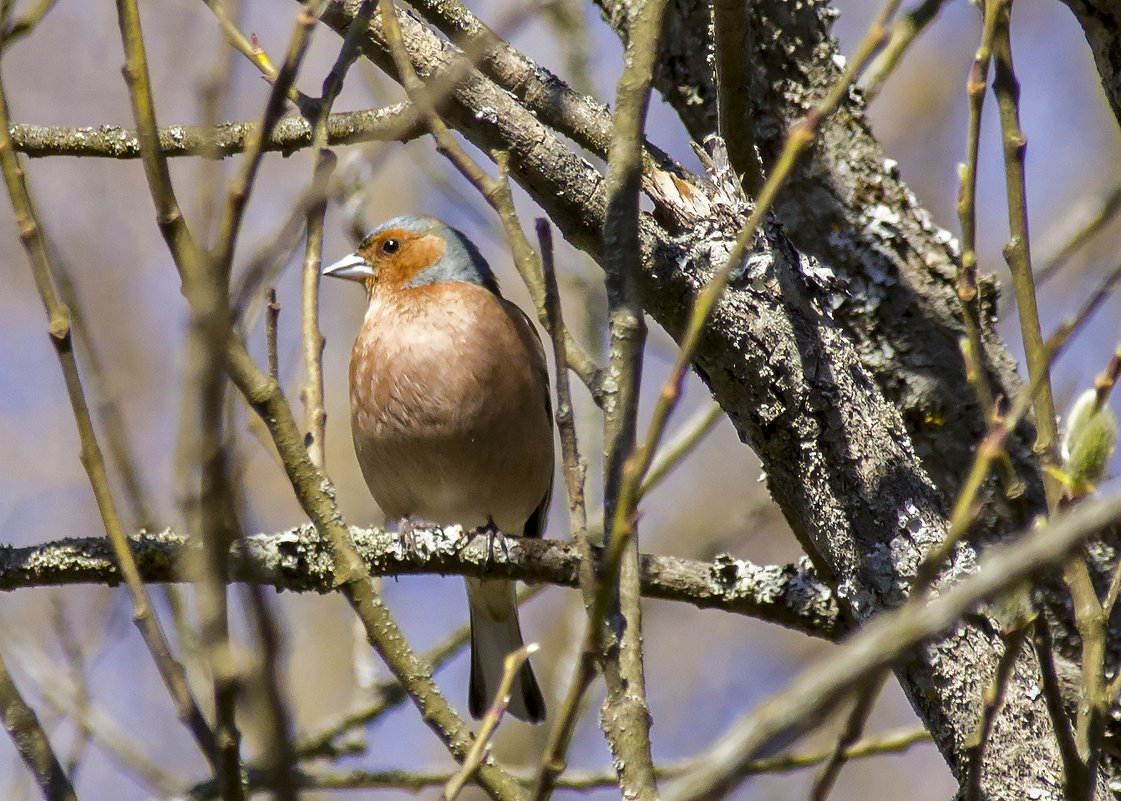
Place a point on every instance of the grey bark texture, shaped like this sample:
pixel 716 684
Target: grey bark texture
pixel 299 560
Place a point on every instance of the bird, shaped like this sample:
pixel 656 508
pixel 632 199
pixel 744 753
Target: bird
pixel 451 416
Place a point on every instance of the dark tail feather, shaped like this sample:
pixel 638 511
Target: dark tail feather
pixel 494 634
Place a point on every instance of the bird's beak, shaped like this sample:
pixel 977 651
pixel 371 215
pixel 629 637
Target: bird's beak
pixel 353 267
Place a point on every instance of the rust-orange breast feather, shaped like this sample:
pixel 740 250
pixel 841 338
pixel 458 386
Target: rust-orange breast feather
pixel 450 409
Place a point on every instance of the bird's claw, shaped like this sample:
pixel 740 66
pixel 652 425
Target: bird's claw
pixel 406 531
pixel 493 536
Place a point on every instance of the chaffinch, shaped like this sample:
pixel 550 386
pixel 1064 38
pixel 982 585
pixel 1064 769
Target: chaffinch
pixel 450 412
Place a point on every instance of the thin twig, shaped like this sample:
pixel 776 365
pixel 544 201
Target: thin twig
pixel 416 781
pixel 272 319
pixel 92 459
pixel 279 753
pixel 63 695
pixel 688 437
pixel 1105 381
pixel 76 666
pixel 1017 252
pixel 733 50
pixel 1093 711
pixel 311 391
pixel 261 677
pixel 275 253
pixel 117 439
pixel 884 640
pixel 992 700
pixel 17 29
pixel 854 726
pixel 251 49
pixel 1107 210
pixel 575 468
pixel 1053 697
pixel 31 741
pixel 215 90
pixel 481 747
pixel 204 458
pixel 212 295
pixel 905 30
pixel 389 695
pixel 614 624
pixel 1113 590
pixel 891 743
pixel 242 185
pixel 967 292
pixel 208 500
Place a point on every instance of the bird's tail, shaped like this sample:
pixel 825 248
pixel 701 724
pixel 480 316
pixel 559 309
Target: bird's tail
pixel 494 634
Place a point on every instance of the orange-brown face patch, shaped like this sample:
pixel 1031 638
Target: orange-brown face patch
pixel 393 268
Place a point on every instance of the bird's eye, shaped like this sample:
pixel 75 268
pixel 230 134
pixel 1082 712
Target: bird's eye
pixel 390 246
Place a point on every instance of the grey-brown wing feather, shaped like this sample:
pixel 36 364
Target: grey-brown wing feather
pixel 535 525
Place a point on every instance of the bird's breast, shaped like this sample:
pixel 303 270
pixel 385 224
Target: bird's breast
pixel 449 408
pixel 426 370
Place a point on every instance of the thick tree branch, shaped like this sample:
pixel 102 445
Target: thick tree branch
pixel 299 561
pixel 893 270
pixel 1101 22
pixel 215 142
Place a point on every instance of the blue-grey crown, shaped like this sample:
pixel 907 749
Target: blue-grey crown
pixel 461 260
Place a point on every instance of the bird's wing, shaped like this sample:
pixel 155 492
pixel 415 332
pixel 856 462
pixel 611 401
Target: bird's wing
pixel 535 525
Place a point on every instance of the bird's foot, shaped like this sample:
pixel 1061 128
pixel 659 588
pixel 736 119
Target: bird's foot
pixel 406 531
pixel 493 536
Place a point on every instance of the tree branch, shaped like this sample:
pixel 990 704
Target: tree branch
pixel 299 561
pixel 385 124
pixel 810 389
pixel 819 688
pixel 31 741
pixel 848 207
pixel 1101 22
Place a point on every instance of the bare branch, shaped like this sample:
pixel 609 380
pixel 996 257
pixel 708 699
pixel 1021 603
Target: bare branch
pixel 386 124
pixel 884 641
pixel 31 741
pixel 299 561
pixel 92 458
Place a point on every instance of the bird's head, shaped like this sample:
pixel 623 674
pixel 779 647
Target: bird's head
pixel 414 251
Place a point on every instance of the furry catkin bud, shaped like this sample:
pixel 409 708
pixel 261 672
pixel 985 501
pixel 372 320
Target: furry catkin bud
pixel 1089 441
